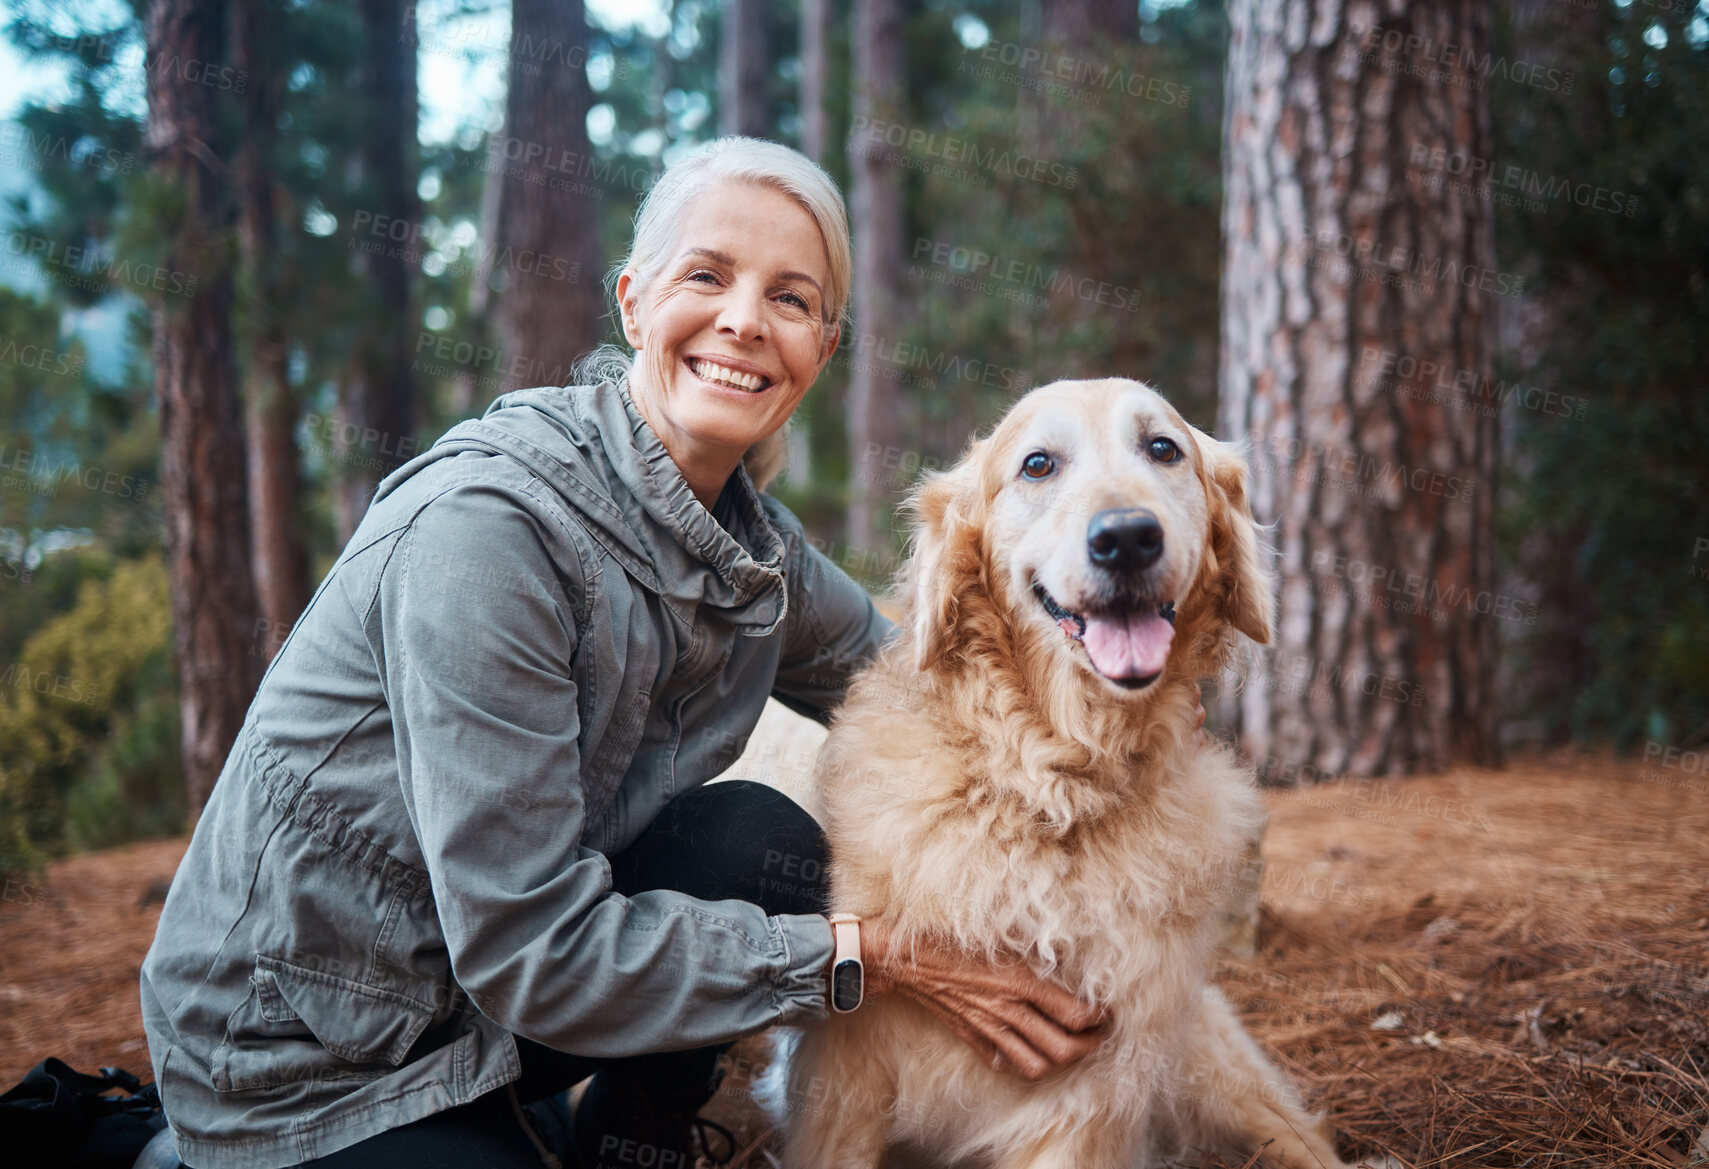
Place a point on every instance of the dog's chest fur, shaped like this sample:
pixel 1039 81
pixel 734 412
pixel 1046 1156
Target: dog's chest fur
pixel 926 839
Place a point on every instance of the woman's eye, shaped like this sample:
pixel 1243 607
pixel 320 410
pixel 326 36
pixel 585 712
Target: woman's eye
pixel 1164 450
pixel 702 274
pixel 795 299
pixel 1037 465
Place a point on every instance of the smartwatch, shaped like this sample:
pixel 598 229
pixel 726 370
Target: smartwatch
pixel 847 975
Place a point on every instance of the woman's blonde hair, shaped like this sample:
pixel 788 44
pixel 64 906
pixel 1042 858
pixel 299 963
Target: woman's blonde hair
pixel 743 160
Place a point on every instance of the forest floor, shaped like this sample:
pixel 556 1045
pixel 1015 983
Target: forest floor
pixel 1475 969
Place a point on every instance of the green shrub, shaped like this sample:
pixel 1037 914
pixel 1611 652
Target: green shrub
pixel 89 723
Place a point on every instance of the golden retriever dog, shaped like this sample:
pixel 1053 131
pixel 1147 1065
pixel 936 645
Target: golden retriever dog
pixel 1019 771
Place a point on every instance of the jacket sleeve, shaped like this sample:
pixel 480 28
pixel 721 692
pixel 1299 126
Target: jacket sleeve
pixel 832 630
pixel 485 718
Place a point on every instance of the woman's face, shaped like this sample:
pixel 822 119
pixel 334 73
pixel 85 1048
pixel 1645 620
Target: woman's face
pixel 729 333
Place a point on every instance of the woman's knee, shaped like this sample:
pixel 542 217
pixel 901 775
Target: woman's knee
pixel 743 840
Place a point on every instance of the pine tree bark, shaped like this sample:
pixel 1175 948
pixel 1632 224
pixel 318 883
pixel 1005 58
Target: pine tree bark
pixel 202 473
pixel 815 49
pixel 382 394
pixel 544 264
pixel 875 203
pixel 742 69
pixel 1355 288
pixel 275 478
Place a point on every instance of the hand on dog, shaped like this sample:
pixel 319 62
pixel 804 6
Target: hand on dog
pixel 1016 1021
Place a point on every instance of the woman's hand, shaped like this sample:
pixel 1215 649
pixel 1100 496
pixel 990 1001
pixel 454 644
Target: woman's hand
pixel 1016 1021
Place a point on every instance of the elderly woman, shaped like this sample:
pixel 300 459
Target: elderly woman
pixel 463 854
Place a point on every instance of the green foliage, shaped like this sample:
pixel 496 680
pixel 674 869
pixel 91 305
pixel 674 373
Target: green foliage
pixel 88 722
pixel 1605 513
pixel 1602 515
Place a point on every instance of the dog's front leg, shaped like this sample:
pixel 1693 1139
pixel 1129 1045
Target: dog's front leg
pixel 1085 1146
pixel 835 1087
pixel 1229 1095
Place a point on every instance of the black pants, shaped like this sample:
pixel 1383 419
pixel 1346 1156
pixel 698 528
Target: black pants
pixel 735 839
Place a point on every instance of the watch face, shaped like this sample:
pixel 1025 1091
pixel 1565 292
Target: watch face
pixel 846 985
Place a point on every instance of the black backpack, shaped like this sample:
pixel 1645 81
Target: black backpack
pixel 60 1118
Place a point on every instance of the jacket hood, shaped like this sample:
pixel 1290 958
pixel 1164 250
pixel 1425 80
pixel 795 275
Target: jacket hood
pixel 595 449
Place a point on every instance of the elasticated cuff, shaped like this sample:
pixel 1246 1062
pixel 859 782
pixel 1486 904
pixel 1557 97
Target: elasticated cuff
pixel 802 985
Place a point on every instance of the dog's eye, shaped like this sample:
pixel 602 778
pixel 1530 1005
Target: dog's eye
pixel 1164 450
pixel 1037 465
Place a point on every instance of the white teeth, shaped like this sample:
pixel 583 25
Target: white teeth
pixel 725 376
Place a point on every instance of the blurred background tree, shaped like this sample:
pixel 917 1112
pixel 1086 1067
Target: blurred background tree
pixel 1058 195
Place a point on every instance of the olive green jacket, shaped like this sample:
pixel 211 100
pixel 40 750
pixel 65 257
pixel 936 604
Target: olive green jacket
pixel 536 639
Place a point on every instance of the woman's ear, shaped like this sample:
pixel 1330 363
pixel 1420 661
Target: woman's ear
pixel 828 347
pixel 1240 584
pixel 628 307
pixel 945 566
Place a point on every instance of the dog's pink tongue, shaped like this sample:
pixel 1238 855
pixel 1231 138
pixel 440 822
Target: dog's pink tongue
pixel 1135 646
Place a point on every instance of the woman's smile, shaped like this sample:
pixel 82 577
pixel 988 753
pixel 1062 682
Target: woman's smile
pixel 727 373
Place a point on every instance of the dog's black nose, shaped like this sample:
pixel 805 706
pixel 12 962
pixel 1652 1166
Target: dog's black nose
pixel 1124 539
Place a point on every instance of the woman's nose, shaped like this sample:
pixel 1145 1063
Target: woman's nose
pixel 742 315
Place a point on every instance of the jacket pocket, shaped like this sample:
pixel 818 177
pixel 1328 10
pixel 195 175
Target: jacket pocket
pixel 603 773
pixel 298 1025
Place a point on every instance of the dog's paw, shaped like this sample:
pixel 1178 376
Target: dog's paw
pixel 1378 1161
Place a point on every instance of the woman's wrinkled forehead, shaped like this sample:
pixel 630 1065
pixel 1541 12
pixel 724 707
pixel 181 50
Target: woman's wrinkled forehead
pixel 687 229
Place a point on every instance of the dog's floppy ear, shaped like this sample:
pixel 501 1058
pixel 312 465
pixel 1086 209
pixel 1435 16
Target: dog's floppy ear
pixel 1239 582
pixel 947 509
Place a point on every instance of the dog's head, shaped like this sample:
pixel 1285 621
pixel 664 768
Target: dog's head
pixel 1093 525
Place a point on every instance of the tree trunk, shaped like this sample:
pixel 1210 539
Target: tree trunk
pixel 544 259
pixel 1356 327
pixel 383 393
pixel 875 199
pixel 275 480
pixel 815 42
pixel 202 469
pixel 742 69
